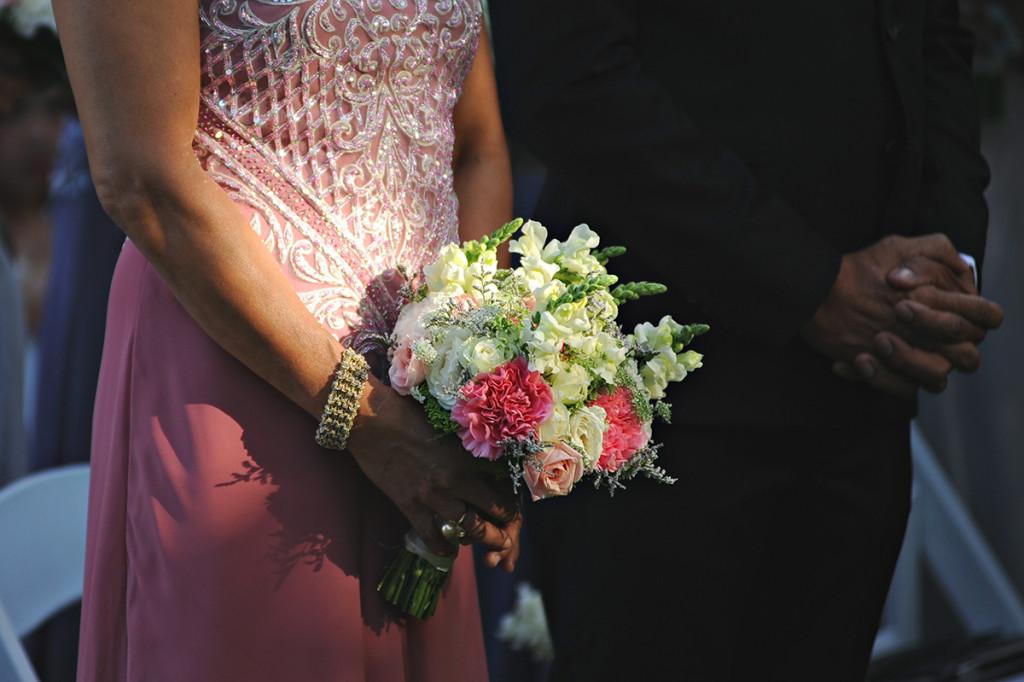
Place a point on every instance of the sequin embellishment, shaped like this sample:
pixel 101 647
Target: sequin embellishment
pixel 330 121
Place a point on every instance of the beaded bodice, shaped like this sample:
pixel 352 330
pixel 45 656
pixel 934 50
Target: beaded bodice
pixel 330 124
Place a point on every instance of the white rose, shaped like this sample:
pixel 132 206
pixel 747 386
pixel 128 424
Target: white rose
pixel 446 375
pixel 483 355
pixel 586 429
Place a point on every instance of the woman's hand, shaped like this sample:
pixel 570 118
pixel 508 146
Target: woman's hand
pixel 432 479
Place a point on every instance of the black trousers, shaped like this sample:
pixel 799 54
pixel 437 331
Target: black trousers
pixel 770 558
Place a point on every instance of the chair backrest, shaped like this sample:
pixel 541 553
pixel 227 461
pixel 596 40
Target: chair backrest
pixel 42 554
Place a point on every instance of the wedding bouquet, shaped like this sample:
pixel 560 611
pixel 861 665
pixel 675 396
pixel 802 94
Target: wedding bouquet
pixel 528 367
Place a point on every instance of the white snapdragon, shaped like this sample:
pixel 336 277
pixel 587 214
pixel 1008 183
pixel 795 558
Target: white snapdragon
pixel 537 259
pixel 666 365
pixel 449 273
pixel 657 337
pixel 571 381
pixel 605 305
pixel 605 351
pixel 544 344
pixel 548 292
pixel 575 252
pixel 574 316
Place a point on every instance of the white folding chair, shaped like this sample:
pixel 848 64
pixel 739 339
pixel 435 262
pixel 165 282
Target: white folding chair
pixel 42 557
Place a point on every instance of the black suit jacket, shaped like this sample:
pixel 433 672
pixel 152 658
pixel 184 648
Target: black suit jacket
pixel 738 148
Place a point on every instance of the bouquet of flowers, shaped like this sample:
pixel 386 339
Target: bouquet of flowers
pixel 530 369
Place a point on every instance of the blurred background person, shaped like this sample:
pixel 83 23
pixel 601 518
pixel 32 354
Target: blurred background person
pixel 34 103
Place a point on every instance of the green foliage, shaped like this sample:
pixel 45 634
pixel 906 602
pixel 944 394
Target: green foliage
pixel 475 249
pixel 438 416
pixel 634 290
pixel 607 253
pixel 685 335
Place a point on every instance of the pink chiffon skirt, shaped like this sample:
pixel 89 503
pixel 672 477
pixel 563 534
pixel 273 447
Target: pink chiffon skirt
pixel 223 543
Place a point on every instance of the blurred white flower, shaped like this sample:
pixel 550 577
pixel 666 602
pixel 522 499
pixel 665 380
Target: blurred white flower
pixel 28 16
pixel 525 627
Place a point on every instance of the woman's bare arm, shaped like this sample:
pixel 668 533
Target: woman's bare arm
pixel 134 69
pixel 483 176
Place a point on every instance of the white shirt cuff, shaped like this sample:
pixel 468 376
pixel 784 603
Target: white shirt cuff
pixel 974 267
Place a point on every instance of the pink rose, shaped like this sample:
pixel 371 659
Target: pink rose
pixel 625 434
pixel 406 369
pixel 506 404
pixel 463 303
pixel 560 468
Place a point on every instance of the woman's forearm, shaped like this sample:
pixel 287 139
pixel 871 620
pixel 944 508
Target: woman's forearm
pixel 225 277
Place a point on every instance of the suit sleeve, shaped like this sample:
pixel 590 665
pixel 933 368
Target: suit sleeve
pixel 681 202
pixel 954 173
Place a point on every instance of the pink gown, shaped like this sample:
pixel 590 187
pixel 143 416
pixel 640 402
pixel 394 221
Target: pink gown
pixel 223 543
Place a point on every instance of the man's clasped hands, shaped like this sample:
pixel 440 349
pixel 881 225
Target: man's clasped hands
pixel 902 314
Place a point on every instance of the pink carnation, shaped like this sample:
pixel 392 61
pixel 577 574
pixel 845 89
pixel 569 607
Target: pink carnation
pixel 506 404
pixel 560 467
pixel 625 434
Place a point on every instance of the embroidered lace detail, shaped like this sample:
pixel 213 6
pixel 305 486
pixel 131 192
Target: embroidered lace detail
pixel 331 121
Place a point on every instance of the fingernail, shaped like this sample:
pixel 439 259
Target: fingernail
pixel 885 346
pixel 904 274
pixel 905 313
pixel 867 370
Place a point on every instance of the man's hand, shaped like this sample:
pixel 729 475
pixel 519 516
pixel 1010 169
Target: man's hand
pixel 903 314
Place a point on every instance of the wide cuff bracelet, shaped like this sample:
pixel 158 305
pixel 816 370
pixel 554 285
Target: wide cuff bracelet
pixel 343 400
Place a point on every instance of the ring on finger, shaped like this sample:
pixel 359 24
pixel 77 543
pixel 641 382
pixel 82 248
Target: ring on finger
pixel 453 530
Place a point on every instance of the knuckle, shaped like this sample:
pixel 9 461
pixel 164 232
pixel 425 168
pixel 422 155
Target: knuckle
pixel 442 478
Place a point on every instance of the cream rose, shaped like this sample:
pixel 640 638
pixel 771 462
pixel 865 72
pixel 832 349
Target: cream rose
pixel 586 429
pixel 483 355
pixel 556 426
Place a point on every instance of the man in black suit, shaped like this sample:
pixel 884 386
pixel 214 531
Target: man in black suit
pixel 803 175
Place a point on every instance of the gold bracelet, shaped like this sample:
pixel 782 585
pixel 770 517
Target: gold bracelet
pixel 343 400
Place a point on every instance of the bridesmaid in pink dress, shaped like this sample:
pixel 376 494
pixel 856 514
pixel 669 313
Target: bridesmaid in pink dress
pixel 275 163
